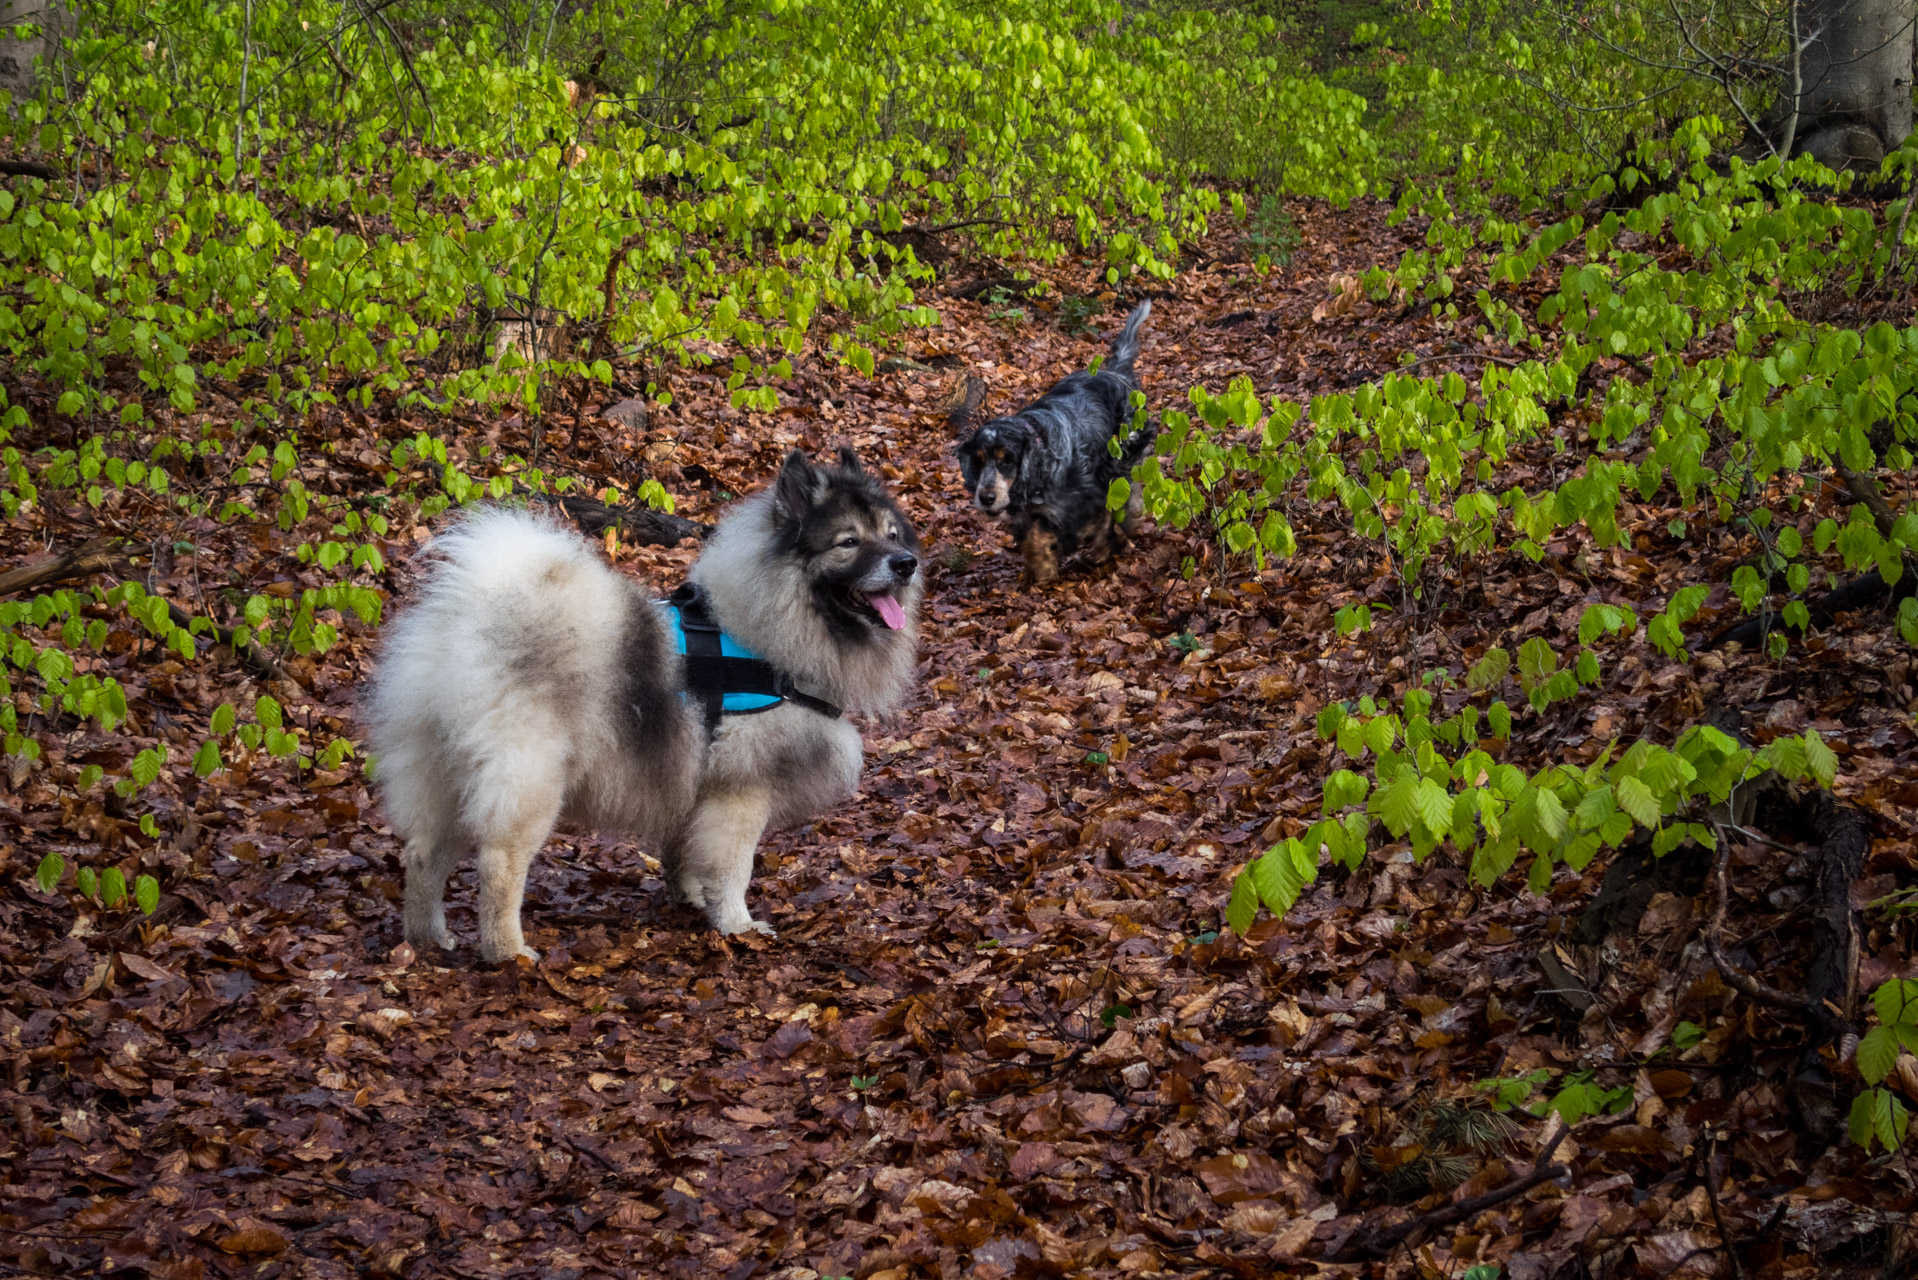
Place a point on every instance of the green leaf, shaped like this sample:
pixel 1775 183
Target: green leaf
pixel 146 893
pixel 1687 1034
pixel 1488 670
pixel 1537 660
pixel 1434 805
pixel 47 874
pixel 1243 908
pixel 1550 811
pixel 1878 1116
pixel 1877 1054
pixel 1397 803
pixel 208 759
pixel 1820 759
pixel 1896 1001
pixel 145 769
pixel 1635 798
pixel 113 887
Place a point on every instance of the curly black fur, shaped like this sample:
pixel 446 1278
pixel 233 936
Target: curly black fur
pixel 1045 470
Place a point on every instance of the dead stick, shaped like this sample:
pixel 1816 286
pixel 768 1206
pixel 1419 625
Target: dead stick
pixel 27 169
pixel 1864 490
pixel 1734 977
pixel 1384 1241
pixel 259 663
pixel 1898 237
pixel 1711 1196
pixel 88 558
pixel 626 246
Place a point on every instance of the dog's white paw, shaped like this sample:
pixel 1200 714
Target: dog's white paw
pixel 503 954
pixel 433 936
pixel 742 923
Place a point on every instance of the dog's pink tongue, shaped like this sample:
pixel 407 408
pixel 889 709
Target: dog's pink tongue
pixel 889 610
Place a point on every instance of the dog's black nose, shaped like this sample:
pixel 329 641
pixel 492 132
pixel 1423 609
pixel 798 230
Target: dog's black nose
pixel 902 565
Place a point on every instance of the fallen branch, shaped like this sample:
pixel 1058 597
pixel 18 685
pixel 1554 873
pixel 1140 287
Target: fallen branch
pixel 980 288
pixel 1376 1242
pixel 939 227
pixel 642 525
pixel 1831 987
pixel 87 559
pixel 260 664
pixel 598 339
pixel 1725 1242
pixel 100 555
pixel 1864 491
pixel 1734 977
pixel 972 394
pixel 28 169
pixel 1866 589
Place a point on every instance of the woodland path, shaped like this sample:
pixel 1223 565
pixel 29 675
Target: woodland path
pixel 998 1034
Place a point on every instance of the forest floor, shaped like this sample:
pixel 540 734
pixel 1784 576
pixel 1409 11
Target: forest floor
pixel 999 1032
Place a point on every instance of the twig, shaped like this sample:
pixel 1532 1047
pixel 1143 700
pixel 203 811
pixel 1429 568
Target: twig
pixel 626 246
pixel 239 116
pixel 1734 977
pixel 259 663
pixel 1718 1221
pixel 1898 237
pixel 406 61
pixel 1377 1243
pixel 1865 492
pixel 1507 361
pixel 938 227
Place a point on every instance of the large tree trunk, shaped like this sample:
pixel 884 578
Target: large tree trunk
pixel 1853 81
pixel 17 56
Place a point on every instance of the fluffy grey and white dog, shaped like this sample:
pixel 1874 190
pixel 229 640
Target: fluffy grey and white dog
pixel 1045 470
pixel 529 683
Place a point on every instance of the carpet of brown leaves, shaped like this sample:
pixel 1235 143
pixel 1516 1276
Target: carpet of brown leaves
pixel 998 1034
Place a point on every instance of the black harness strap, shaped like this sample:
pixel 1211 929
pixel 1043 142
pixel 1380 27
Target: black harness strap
pixel 711 674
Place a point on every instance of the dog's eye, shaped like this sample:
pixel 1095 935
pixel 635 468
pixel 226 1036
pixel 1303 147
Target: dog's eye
pixel 847 540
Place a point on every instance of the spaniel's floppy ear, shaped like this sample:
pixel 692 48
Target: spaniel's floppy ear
pixel 848 459
pixel 797 487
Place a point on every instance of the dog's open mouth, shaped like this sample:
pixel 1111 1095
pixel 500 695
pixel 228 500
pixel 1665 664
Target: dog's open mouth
pixel 880 607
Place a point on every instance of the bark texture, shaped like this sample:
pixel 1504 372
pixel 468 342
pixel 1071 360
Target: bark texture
pixel 1854 106
pixel 17 57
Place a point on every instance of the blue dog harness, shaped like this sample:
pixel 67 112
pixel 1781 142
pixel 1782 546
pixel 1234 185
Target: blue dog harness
pixel 727 678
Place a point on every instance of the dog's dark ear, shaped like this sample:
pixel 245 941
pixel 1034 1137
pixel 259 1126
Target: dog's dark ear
pixel 797 486
pixel 848 459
